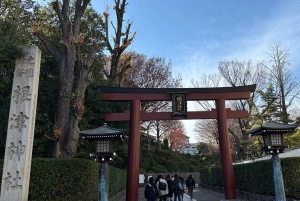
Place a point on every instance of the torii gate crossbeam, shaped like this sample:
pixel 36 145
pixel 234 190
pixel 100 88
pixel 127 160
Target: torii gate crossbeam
pixel 136 95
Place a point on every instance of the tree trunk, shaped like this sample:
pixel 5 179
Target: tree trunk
pixel 55 153
pixel 77 110
pixel 158 136
pixel 61 126
pixel 66 121
pixel 148 138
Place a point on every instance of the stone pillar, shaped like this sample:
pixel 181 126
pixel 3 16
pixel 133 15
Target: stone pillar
pixel 278 178
pixel 21 123
pixel 103 182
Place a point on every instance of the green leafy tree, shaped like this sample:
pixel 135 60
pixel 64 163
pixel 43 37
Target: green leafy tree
pixel 268 106
pixel 10 50
pixel 292 139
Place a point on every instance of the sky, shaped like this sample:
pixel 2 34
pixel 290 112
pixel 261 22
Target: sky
pixel 195 35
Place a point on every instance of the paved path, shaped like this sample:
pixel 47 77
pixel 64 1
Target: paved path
pixel 200 194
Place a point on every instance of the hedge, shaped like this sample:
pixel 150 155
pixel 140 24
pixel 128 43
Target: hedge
pixel 257 177
pixel 69 179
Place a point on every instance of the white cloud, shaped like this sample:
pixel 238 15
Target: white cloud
pixel 265 33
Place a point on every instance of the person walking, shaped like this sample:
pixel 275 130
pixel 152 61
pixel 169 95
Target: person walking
pixel 190 184
pixel 177 188
pixel 162 187
pixel 182 190
pixel 151 192
pixel 171 188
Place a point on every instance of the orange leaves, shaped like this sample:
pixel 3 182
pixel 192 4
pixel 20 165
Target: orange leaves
pixel 177 139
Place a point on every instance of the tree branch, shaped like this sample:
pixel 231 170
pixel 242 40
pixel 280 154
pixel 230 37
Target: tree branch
pixel 55 5
pixel 39 33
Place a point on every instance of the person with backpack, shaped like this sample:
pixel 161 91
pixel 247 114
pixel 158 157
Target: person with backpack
pixel 190 184
pixel 162 187
pixel 182 190
pixel 151 192
pixel 177 188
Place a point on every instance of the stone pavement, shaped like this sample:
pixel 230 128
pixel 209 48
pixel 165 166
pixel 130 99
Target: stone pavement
pixel 200 194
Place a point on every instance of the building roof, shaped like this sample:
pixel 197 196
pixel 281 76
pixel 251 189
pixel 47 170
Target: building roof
pixel 273 126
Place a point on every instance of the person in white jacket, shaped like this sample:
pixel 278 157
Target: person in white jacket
pixel 162 186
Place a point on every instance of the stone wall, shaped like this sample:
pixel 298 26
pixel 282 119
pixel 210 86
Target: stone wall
pixel 243 194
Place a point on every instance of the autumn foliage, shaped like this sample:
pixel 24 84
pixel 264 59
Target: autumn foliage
pixel 177 140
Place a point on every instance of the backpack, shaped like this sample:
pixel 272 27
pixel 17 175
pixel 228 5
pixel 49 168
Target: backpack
pixel 162 186
pixel 189 182
pixel 180 186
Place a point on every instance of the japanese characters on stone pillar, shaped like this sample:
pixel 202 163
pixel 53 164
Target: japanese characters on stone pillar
pixel 21 123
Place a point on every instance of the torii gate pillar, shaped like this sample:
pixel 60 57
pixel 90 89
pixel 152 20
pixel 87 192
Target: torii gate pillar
pixel 226 159
pixel 133 152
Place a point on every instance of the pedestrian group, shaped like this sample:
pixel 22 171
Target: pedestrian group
pixel 165 189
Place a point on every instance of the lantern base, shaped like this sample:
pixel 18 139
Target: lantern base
pixel 102 157
pixel 274 149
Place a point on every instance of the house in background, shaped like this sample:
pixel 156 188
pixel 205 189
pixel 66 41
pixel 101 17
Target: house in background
pixel 191 149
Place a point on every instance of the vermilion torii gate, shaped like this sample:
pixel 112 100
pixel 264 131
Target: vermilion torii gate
pixel 179 98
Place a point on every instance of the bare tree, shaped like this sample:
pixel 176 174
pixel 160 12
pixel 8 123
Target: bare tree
pixel 231 73
pixel 241 74
pixel 283 79
pixel 207 130
pixel 70 106
pixel 153 72
pixel 121 40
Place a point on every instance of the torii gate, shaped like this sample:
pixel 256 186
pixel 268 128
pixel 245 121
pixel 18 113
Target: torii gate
pixel 179 98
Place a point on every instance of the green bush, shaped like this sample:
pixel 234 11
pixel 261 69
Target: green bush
pixel 145 163
pixel 257 177
pixel 171 166
pixel 57 179
pixel 159 168
pixel 184 166
pixel 192 168
pixel 142 171
pixel 117 180
pixel 69 179
pixel 291 176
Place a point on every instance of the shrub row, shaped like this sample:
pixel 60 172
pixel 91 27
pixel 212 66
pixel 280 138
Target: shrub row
pixel 69 179
pixel 154 160
pixel 257 177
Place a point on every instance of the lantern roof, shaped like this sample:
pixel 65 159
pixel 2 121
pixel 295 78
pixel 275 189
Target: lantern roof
pixel 103 133
pixel 272 126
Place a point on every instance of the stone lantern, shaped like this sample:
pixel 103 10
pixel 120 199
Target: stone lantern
pixel 104 138
pixel 272 133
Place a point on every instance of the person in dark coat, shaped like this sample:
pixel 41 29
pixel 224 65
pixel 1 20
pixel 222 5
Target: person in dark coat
pixel 171 188
pixel 151 192
pixel 182 182
pixel 177 190
pixel 190 184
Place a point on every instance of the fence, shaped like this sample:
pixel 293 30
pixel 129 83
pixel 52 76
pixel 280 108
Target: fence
pixel 290 153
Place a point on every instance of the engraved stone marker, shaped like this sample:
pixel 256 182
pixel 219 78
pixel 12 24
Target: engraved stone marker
pixel 20 132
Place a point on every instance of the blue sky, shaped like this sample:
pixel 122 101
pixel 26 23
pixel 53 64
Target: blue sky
pixel 197 34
